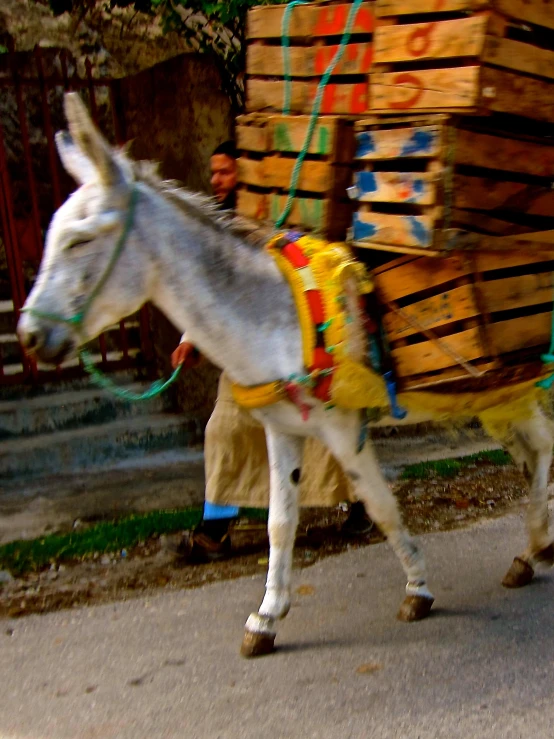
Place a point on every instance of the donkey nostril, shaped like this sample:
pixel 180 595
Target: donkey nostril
pixel 30 340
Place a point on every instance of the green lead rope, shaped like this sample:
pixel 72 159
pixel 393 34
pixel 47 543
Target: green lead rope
pixel 103 381
pixel 319 94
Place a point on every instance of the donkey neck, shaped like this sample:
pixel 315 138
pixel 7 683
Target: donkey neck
pixel 228 295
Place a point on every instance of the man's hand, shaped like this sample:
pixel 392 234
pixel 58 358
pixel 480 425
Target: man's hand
pixel 187 355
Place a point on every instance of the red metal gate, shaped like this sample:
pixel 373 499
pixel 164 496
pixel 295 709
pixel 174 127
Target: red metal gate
pixel 33 185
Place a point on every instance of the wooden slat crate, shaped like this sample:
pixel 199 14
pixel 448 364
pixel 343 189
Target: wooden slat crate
pixel 432 55
pixel 424 181
pixel 464 317
pixel 315 31
pixel 269 146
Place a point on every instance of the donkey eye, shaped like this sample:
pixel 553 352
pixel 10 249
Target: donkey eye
pixel 77 244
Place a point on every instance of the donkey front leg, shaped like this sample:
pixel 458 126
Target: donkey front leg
pixel 285 456
pixel 362 468
pixel 530 445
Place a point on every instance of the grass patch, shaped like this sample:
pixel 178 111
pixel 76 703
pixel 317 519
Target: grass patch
pixel 23 556
pixel 27 556
pixel 452 467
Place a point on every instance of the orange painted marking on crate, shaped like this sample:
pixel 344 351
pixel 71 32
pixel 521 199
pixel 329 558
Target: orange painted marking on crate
pixel 410 79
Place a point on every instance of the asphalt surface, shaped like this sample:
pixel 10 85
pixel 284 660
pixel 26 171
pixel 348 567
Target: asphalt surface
pixel 168 666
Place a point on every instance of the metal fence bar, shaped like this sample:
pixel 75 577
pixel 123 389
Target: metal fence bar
pixel 39 90
pixel 27 155
pixel 44 84
pixel 11 246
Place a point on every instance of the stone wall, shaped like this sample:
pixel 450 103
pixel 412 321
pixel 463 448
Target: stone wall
pixel 176 114
pixel 171 103
pixel 119 42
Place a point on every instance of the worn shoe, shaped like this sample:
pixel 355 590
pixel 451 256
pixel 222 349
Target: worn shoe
pixel 358 522
pixel 203 549
pixel 197 546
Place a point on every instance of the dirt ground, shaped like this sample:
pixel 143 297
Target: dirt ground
pixel 480 490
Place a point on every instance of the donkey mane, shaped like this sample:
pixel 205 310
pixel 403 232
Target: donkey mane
pixel 202 207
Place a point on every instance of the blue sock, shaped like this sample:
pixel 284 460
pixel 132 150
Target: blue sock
pixel 213 512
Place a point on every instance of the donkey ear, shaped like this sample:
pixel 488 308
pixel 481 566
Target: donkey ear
pixel 74 161
pixel 91 143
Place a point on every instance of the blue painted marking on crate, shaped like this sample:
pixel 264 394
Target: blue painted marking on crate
pixel 366 182
pixel 361 229
pixel 418 230
pixel 366 144
pixel 419 142
pixel 419 187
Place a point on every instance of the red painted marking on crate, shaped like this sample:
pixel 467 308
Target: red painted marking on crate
pixel 412 80
pixel 420 40
pixel 331 20
pixel 359 97
pixel 357 55
pixel 339 98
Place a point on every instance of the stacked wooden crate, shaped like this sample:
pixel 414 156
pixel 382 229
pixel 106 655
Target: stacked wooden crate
pixel 472 56
pixel 462 93
pixel 468 316
pixel 269 146
pixel 424 183
pixel 443 110
pixel 269 141
pixel 315 30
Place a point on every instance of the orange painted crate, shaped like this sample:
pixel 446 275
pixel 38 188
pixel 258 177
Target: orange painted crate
pixel 315 31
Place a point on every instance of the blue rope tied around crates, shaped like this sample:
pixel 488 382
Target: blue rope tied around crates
pixel 285 42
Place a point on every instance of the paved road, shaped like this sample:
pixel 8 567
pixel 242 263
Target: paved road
pixel 168 666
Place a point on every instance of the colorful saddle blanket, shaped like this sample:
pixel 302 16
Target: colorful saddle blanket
pixel 327 284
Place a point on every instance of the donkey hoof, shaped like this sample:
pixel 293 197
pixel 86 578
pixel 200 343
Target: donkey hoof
pixel 256 644
pixel 520 574
pixel 414 608
pixel 546 555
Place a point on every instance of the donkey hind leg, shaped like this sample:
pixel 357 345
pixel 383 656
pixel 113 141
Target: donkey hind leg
pixel 363 469
pixel 285 457
pixel 530 445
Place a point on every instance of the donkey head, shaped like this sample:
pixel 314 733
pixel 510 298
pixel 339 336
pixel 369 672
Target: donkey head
pixel 89 277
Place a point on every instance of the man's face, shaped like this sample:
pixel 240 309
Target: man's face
pixel 224 175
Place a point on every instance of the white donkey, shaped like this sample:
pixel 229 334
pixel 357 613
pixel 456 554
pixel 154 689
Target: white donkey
pixel 124 238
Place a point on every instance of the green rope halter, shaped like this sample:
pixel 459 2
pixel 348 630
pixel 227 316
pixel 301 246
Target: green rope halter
pixel 96 375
